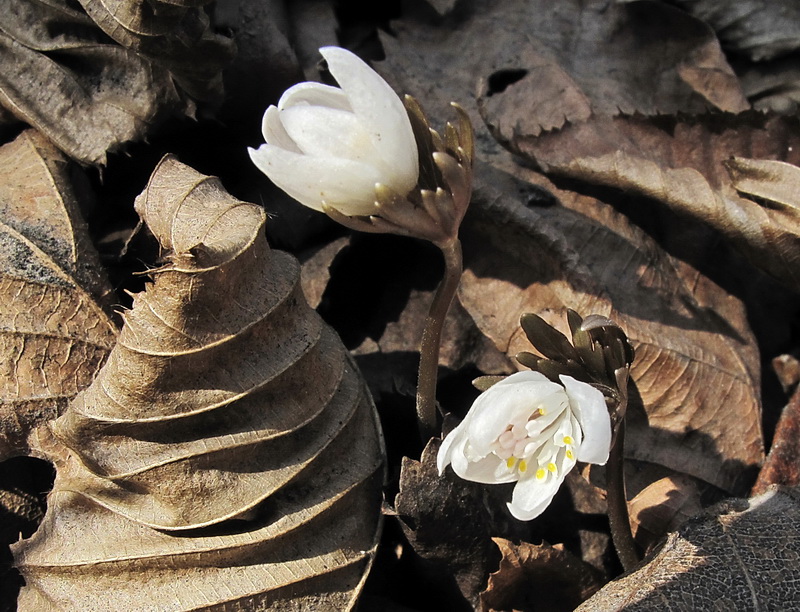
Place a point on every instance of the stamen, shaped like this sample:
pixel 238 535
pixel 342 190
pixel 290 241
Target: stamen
pixel 542 412
pixel 570 454
pixel 568 440
pixel 552 467
pixel 540 474
pixel 523 466
pixel 511 462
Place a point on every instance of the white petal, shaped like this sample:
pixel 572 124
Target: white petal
pixel 315 94
pixel 346 185
pixel 382 113
pixel 506 402
pixel 329 132
pixel 531 496
pixel 275 133
pixel 489 470
pixel 590 409
pixel 443 457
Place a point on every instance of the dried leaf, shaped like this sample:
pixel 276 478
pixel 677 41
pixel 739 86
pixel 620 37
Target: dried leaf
pixel 174 34
pixel 227 454
pixel 542 578
pixel 759 29
pixel 449 522
pixel 54 334
pixel 662 507
pixel 782 466
pixel 64 76
pixel 741 555
pixel 565 62
pixel 695 409
pixel 686 165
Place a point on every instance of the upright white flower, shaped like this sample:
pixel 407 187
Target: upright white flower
pixel 332 146
pixel 529 430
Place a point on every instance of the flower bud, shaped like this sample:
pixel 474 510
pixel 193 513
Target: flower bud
pixel 330 147
pixel 529 430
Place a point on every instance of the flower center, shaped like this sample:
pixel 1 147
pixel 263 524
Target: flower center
pixel 541 441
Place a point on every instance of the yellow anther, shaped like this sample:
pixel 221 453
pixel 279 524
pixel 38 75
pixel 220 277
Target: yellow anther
pixel 568 440
pixel 523 466
pixel 542 411
pixel 551 467
pixel 570 454
pixel 540 474
pixel 511 462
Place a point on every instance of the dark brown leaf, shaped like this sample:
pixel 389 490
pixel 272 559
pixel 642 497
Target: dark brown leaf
pixel 539 578
pixel 63 75
pixel 782 466
pixel 740 555
pixel 759 29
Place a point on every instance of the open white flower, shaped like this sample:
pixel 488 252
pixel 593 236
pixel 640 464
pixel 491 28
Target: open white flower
pixel 332 146
pixel 529 430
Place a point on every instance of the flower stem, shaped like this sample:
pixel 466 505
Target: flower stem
pixel 431 339
pixel 618 505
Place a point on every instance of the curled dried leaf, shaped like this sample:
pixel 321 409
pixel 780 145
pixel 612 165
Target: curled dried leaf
pixel 228 446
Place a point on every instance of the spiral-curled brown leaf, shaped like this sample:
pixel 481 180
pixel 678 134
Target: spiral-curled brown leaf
pixel 53 334
pixel 227 455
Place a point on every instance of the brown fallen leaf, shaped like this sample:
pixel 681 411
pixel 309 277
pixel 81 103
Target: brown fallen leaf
pixel 449 522
pixel 759 29
pixel 685 164
pixel 228 453
pixel 63 75
pixel 540 578
pixel 54 332
pixel 174 34
pixel 740 555
pixel 782 466
pixel 662 507
pixel 564 62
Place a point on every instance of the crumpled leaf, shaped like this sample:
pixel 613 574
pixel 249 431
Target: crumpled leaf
pixel 63 75
pixel 740 555
pixel 566 62
pixel 449 522
pixel 539 577
pixel 227 454
pixel 689 168
pixel 695 408
pixel 758 29
pixel 54 333
pixel 175 34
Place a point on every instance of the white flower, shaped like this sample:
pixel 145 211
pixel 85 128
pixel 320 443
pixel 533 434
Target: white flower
pixel 332 146
pixel 529 430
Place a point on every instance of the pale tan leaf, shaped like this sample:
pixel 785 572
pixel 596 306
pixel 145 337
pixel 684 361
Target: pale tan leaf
pixel 662 507
pixel 228 454
pixel 740 555
pixel 54 335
